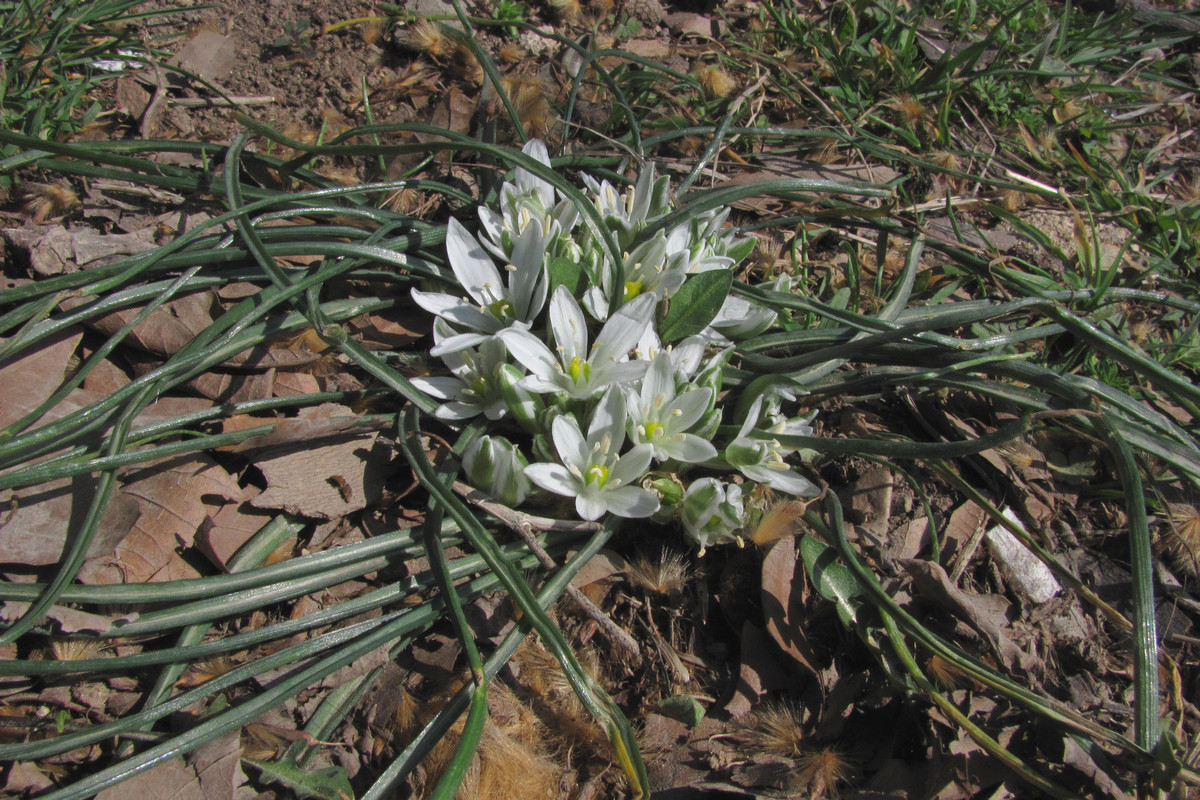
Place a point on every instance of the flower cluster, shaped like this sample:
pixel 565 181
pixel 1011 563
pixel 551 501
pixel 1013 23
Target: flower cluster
pixel 613 417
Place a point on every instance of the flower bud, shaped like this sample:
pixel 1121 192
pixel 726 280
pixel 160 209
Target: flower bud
pixel 495 466
pixel 669 492
pixel 524 405
pixel 711 511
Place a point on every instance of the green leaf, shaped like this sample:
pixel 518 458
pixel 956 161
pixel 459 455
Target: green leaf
pixel 833 579
pixel 562 271
pixel 330 783
pixel 683 707
pixel 695 304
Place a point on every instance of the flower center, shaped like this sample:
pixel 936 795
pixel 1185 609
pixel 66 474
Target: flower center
pixel 632 289
pixel 597 474
pixel 480 386
pixel 651 429
pixel 501 309
pixel 579 369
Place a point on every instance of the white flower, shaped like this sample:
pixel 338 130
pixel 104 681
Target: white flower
pixel 661 418
pixel 526 200
pixel 592 471
pixel 627 214
pixel 711 510
pixel 493 303
pixel 686 354
pixel 649 269
pixel 474 387
pixel 740 318
pixel 574 367
pixel 762 459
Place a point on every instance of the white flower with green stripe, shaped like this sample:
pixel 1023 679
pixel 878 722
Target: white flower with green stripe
pixel 581 369
pixel 662 417
pixel 593 470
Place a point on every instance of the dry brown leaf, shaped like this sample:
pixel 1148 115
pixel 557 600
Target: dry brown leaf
pixel 176 499
pixel 600 567
pixel 166 780
pixel 783 596
pixel 28 381
pixel 385 330
pixel 35 521
pixel 871 501
pixel 308 428
pixel 132 99
pixel 758 673
pixel 67 620
pixel 325 481
pixel 167 329
pixel 24 778
pixel 648 48
pixel 964 524
pixel 228 529
pixel 54 250
pixel 218 766
pixel 985 613
pixel 287 384
pixel 687 23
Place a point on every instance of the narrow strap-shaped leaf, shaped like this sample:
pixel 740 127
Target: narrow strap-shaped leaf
pixel 593 697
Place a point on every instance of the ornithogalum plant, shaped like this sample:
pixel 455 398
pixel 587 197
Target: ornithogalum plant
pixel 542 365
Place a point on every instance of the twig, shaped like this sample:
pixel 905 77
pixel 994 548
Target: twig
pixel 251 100
pixel 525 525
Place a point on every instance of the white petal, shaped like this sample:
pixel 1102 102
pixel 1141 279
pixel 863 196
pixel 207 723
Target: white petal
pixel 590 505
pixel 553 478
pixel 624 329
pixel 691 405
pixel 632 502
pixel 568 325
pixel 569 441
pixel 751 417
pixel 527 181
pixel 633 465
pixel 658 382
pixel 544 385
pixel 609 419
pixel 439 387
pixel 783 480
pixel 616 372
pixel 455 411
pixel 530 352
pixel 686 356
pixel 492 222
pixel 460 341
pixel 686 447
pixel 472 266
pixel 528 256
pixel 456 310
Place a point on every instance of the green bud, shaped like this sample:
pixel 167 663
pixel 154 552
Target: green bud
pixel 712 511
pixel 495 466
pixel 706 426
pixel 543 450
pixel 669 491
pixel 742 454
pixel 524 405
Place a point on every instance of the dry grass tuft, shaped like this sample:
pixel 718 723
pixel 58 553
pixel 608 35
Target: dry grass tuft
pixel 667 574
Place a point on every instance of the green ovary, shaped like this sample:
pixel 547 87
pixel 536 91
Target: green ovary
pixel 651 429
pixel 501 309
pixel 632 289
pixel 597 474
pixel 579 369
